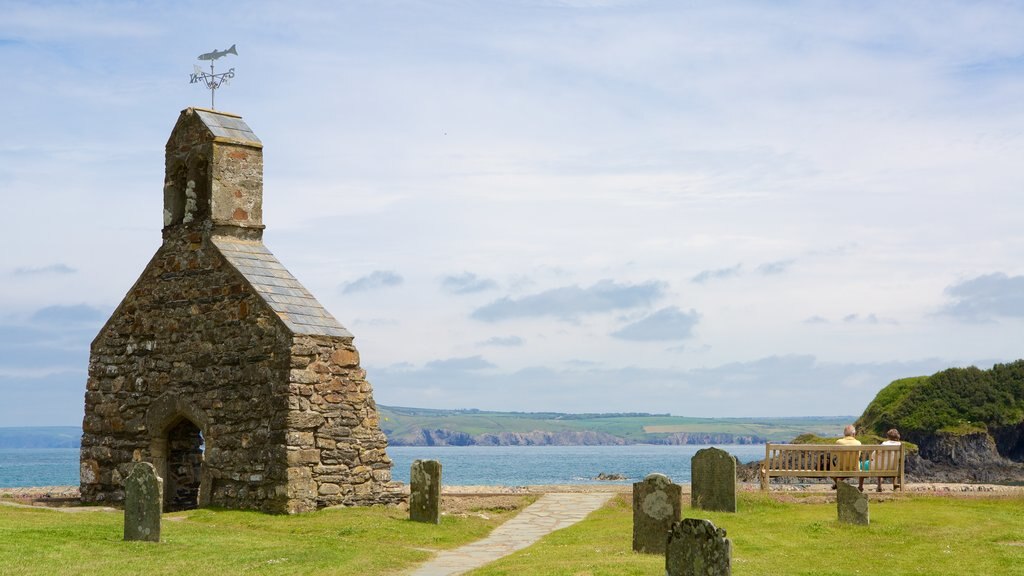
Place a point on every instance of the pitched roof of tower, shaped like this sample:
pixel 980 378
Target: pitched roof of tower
pixel 296 307
pixel 226 126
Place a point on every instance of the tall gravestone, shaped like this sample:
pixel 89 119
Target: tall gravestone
pixel 697 548
pixel 143 500
pixel 425 491
pixel 713 480
pixel 657 503
pixel 852 504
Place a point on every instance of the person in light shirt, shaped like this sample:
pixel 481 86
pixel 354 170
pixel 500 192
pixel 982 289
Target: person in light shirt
pixel 892 439
pixel 848 462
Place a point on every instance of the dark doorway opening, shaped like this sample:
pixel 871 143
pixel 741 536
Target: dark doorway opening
pixel 184 467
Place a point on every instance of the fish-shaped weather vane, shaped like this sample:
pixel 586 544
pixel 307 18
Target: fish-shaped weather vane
pixel 211 79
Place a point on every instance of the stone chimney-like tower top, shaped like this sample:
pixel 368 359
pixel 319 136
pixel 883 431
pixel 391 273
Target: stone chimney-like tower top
pixel 214 175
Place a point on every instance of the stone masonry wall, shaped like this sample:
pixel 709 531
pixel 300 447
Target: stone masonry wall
pixel 190 340
pixel 282 417
pixel 336 450
pixel 209 180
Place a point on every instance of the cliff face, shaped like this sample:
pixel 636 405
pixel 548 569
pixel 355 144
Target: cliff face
pixel 681 438
pixel 967 422
pixel 1010 441
pixel 444 437
pixel 973 457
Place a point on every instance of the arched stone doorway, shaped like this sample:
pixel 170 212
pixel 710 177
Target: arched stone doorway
pixel 184 466
pixel 178 448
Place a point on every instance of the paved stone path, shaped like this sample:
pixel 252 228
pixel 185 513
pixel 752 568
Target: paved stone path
pixel 549 513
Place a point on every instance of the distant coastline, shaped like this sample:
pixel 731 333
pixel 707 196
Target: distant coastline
pixel 41 437
pixel 405 426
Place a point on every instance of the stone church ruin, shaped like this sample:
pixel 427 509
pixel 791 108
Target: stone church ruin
pixel 219 367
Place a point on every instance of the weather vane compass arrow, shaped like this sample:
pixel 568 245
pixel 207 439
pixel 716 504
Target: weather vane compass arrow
pixel 211 79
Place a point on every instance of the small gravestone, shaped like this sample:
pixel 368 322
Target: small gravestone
pixel 143 499
pixel 425 491
pixel 713 480
pixel 657 503
pixel 697 548
pixel 852 504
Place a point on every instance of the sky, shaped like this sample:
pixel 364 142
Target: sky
pixel 708 209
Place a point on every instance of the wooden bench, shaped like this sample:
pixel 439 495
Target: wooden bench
pixel 832 461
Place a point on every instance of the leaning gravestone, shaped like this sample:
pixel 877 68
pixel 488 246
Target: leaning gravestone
pixel 425 491
pixel 143 501
pixel 713 480
pixel 657 503
pixel 697 548
pixel 852 504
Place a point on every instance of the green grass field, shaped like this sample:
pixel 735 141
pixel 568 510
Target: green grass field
pixel 368 541
pixel 405 422
pixel 919 535
pixel 913 535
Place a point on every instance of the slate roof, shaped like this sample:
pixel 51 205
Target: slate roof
pixel 228 126
pixel 299 310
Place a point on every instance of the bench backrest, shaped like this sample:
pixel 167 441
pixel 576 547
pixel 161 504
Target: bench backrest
pixel 831 457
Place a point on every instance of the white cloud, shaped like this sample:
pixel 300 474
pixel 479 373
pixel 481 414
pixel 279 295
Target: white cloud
pixel 986 297
pixel 549 147
pixel 570 302
pixel 667 324
pixel 718 274
pixel 373 281
pixel 467 283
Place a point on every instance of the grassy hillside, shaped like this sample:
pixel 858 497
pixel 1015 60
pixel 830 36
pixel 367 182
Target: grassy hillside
pixel 955 400
pixel 400 422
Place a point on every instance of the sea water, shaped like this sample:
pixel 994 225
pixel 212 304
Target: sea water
pixel 38 467
pixel 533 465
pixel 461 465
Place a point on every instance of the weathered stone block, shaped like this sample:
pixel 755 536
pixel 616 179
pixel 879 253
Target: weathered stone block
pixel 304 420
pixel 303 376
pixel 143 501
pixel 329 489
pixel 345 357
pixel 697 548
pixel 304 456
pixel 425 491
pixel 299 439
pixel 657 504
pixel 851 504
pixel 713 480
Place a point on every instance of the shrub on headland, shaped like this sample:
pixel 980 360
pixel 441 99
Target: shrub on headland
pixel 957 400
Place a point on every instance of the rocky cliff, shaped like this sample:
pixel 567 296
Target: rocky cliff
pixel 445 437
pixel 968 423
pixel 971 457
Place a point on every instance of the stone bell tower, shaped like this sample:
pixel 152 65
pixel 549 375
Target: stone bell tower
pixel 214 175
pixel 219 367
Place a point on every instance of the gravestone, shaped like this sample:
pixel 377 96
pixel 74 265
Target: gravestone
pixel 713 480
pixel 143 499
pixel 697 548
pixel 852 504
pixel 425 491
pixel 657 503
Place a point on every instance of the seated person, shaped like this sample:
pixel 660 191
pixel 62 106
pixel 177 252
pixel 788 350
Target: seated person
pixel 892 439
pixel 847 461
